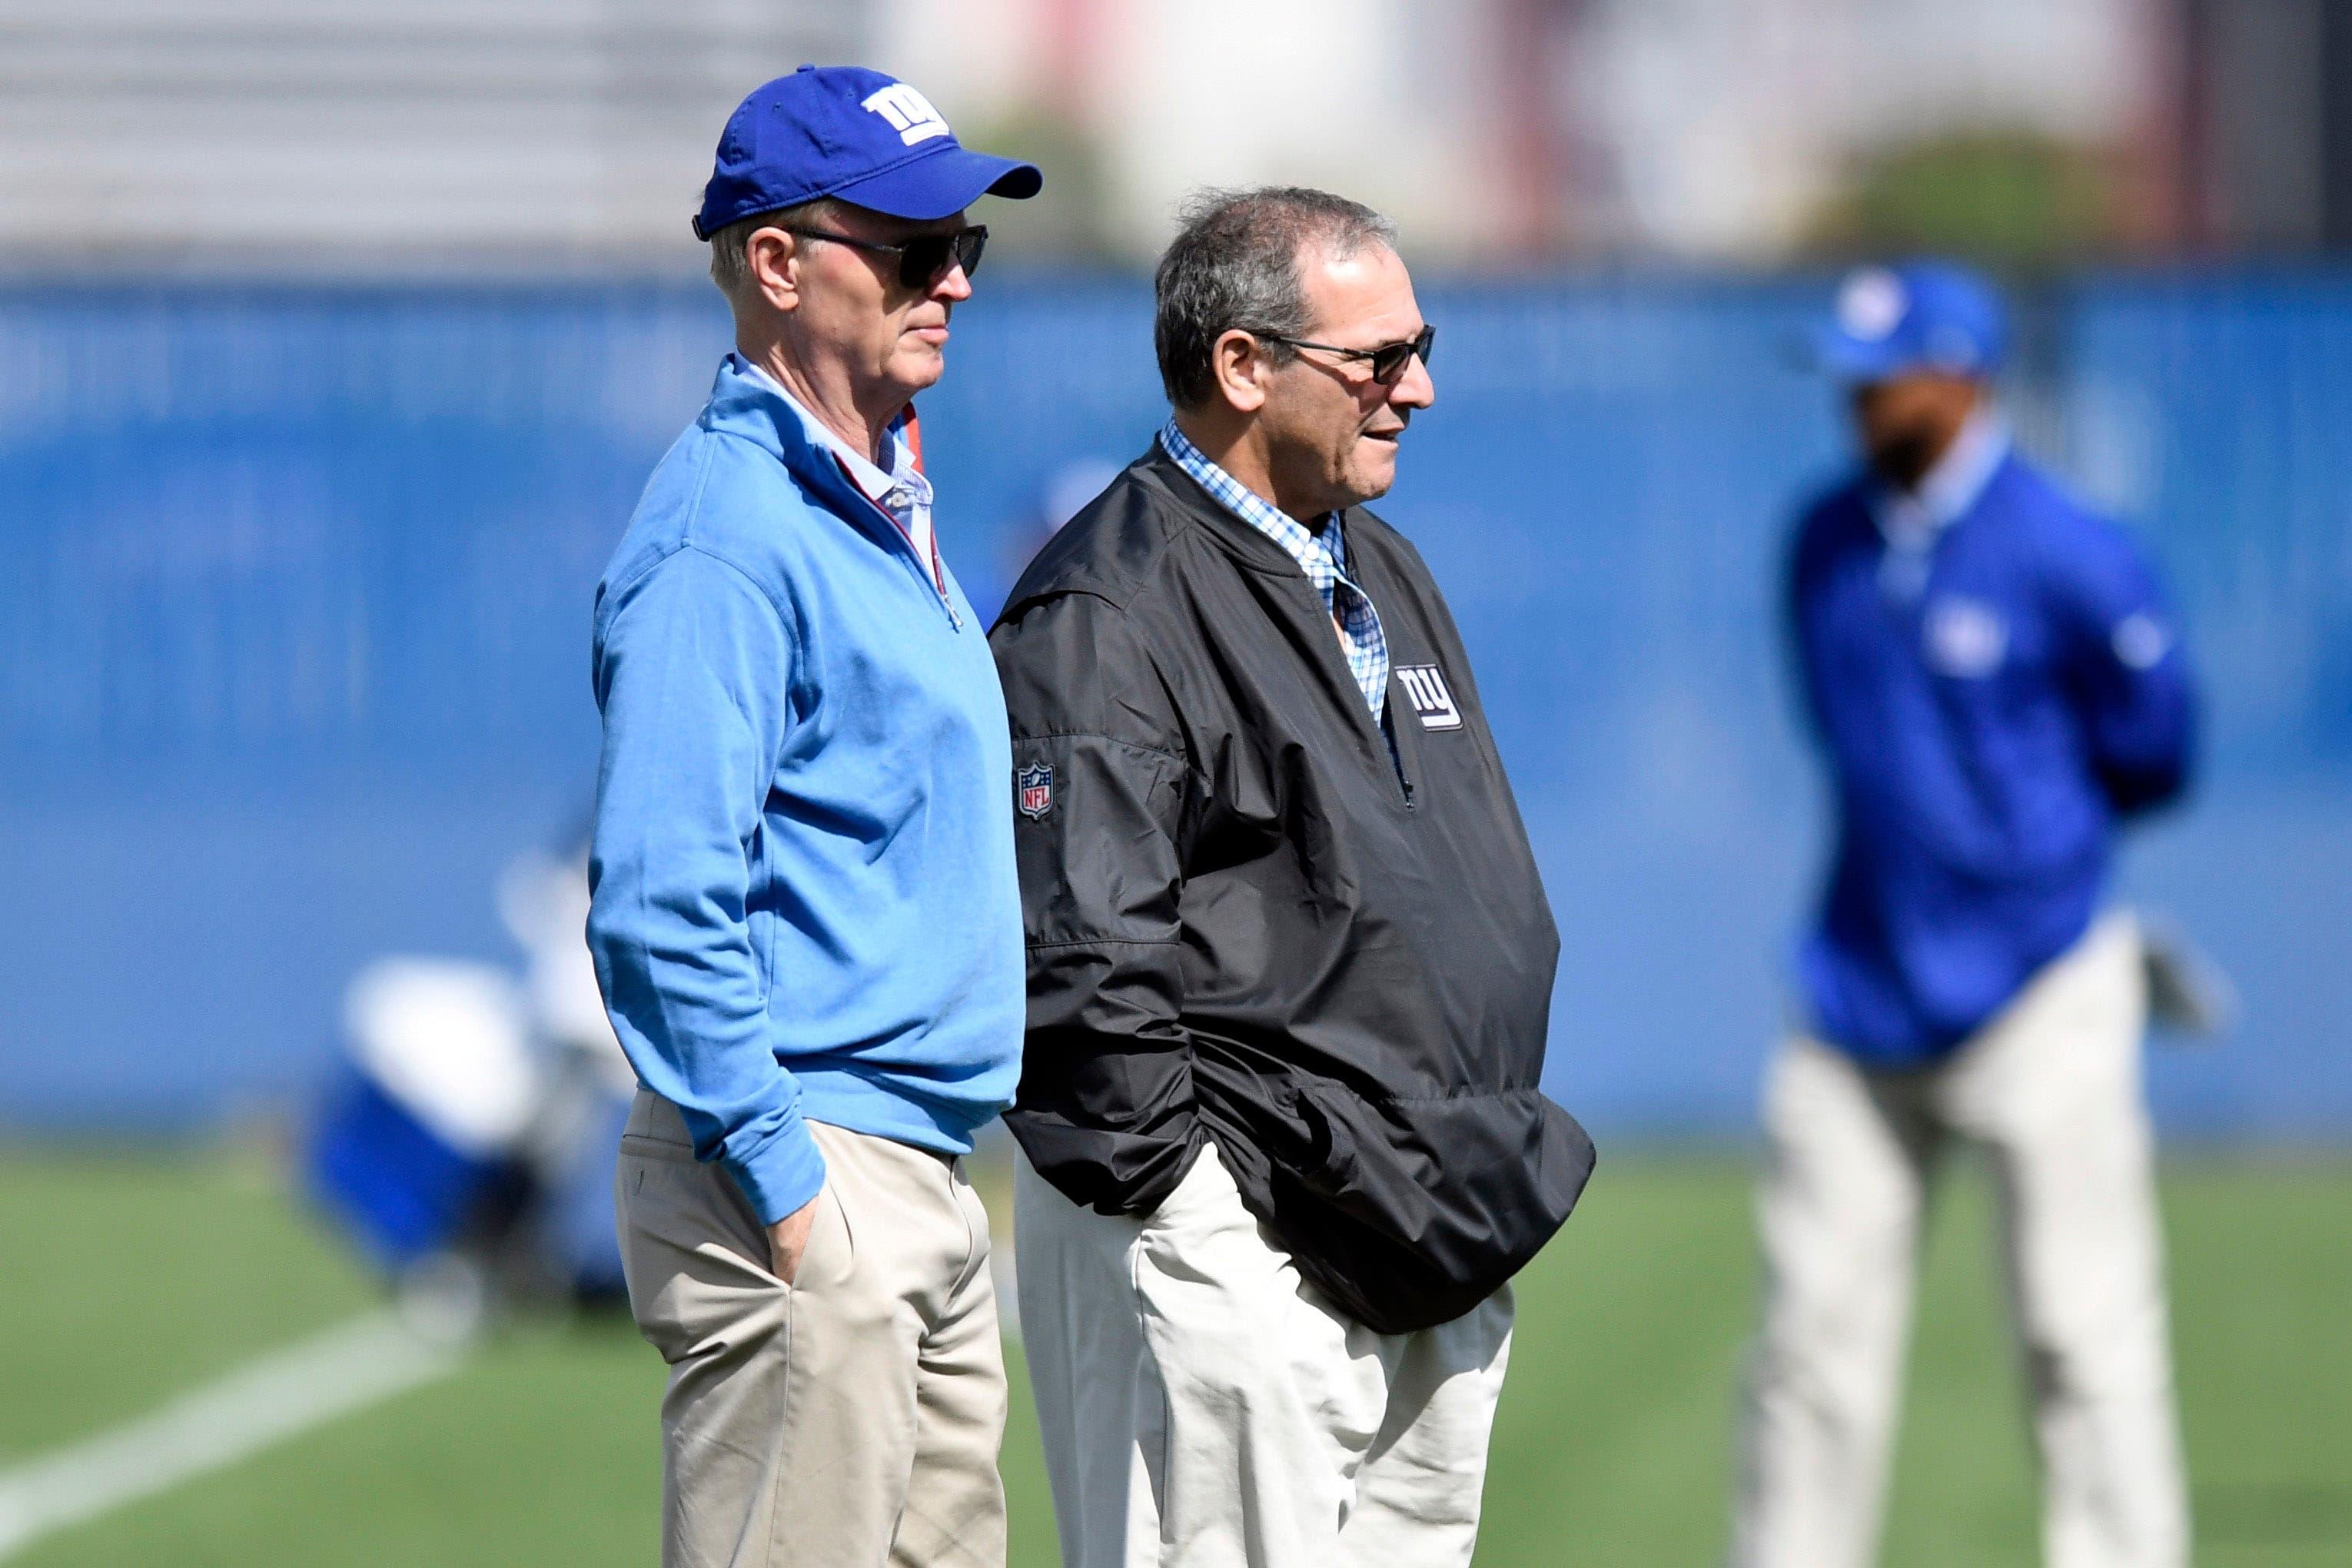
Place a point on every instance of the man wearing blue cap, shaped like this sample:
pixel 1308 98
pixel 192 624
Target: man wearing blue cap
pixel 1996 682
pixel 805 918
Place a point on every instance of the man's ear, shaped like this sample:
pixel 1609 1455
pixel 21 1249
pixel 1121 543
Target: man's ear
pixel 1238 367
pixel 771 262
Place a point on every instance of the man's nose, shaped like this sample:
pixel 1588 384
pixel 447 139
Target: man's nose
pixel 954 285
pixel 1414 389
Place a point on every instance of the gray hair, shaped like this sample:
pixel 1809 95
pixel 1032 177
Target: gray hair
pixel 731 267
pixel 1234 264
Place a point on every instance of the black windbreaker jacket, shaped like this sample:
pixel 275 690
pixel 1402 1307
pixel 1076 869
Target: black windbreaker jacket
pixel 1242 924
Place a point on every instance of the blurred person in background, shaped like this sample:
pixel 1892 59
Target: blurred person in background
pixel 1996 682
pixel 1290 964
pixel 804 914
pixel 466 1141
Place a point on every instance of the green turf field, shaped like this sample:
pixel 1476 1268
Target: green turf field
pixel 127 1280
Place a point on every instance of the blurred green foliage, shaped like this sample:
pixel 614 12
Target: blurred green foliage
pixel 1063 221
pixel 1997 196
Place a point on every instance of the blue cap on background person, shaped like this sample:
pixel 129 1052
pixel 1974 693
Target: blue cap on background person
pixel 855 134
pixel 1919 316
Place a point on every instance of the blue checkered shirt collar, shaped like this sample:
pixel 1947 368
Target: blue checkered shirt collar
pixel 1322 554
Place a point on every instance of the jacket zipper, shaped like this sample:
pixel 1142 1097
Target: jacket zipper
pixel 1396 755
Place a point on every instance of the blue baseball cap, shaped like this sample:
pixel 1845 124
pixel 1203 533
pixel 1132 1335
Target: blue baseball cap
pixel 1919 316
pixel 856 134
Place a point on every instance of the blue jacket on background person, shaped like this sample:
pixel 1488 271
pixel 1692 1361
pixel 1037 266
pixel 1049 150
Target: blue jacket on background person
pixel 1997 681
pixel 804 900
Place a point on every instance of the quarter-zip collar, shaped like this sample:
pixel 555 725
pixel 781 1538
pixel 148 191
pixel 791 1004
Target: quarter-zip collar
pixel 892 507
pixel 903 490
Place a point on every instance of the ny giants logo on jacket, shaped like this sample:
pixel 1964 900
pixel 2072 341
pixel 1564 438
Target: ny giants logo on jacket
pixel 1426 688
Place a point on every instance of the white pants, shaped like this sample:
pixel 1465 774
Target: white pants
pixel 1204 1406
pixel 2051 1090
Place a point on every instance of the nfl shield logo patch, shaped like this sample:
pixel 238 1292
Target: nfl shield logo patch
pixel 1036 786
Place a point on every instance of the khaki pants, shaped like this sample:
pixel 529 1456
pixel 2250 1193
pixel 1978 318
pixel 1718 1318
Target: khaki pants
pixel 2051 1090
pixel 851 1418
pixel 1204 1408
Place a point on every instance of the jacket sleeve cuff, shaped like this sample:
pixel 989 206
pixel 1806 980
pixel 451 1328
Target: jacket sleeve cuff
pixel 780 1173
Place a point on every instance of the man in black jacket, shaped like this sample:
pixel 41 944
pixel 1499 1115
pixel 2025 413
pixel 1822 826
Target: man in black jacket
pixel 1289 958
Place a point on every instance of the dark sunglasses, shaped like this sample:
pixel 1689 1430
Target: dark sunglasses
pixel 1388 360
pixel 922 260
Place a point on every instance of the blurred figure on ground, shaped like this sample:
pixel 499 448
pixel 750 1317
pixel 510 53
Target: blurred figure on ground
pixel 1996 682
pixel 1289 961
pixel 467 1143
pixel 804 916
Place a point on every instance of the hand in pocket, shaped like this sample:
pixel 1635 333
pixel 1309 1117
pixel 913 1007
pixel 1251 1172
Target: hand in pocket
pixel 788 1240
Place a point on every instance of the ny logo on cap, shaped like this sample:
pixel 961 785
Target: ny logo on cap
pixel 910 114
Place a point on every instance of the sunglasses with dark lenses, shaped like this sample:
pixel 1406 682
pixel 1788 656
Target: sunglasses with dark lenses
pixel 1388 360
pixel 922 260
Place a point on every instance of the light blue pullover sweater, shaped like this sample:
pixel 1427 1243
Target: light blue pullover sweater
pixel 804 903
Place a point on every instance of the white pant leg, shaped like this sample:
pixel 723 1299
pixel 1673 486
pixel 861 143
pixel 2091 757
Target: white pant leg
pixel 1202 1406
pixel 1418 1493
pixel 1099 1406
pixel 1273 1399
pixel 1847 1159
pixel 2052 1088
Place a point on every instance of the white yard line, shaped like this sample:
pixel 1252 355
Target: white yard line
pixel 266 1400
